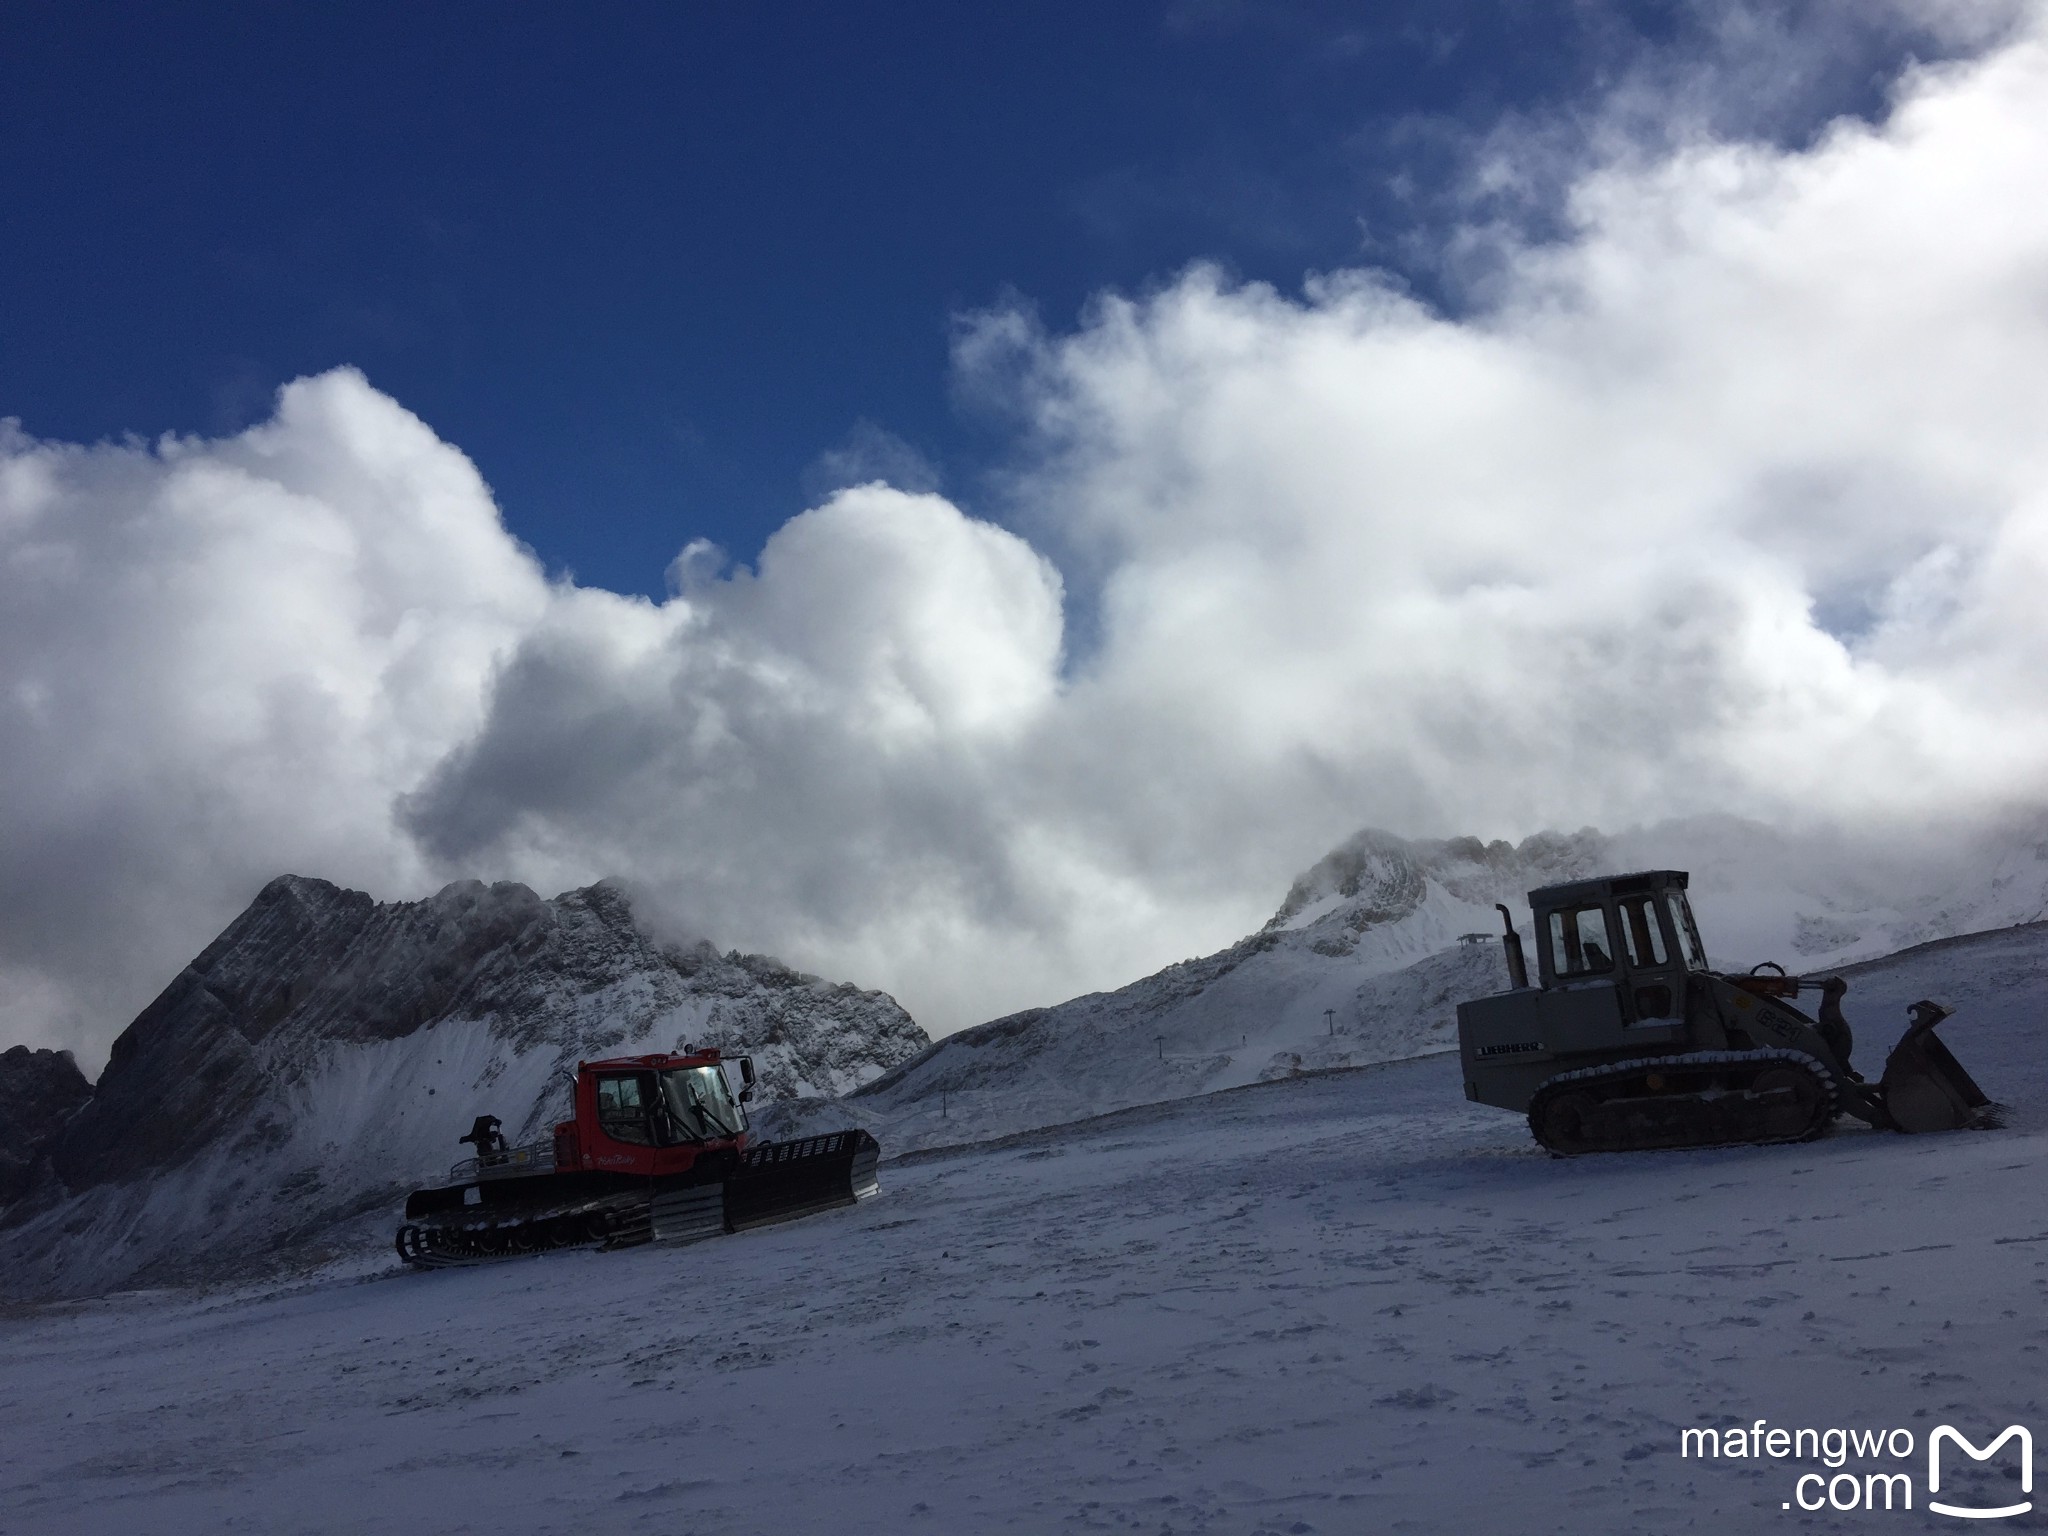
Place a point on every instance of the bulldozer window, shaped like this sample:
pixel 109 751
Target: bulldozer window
pixel 1641 933
pixel 1579 942
pixel 1689 946
pixel 621 1112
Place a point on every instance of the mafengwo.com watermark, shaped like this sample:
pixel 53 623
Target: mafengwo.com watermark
pixel 1965 1472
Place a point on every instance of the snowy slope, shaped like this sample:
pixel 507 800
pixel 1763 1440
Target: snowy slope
pixel 1269 1008
pixel 1336 1304
pixel 325 1053
pixel 1363 963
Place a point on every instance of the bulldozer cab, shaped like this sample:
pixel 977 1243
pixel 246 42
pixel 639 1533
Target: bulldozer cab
pixel 1614 957
pixel 1632 932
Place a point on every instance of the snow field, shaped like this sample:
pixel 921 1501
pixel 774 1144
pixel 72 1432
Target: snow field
pixel 1336 1304
pixel 1345 1302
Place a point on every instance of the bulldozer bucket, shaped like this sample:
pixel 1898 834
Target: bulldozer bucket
pixel 1924 1087
pixel 787 1179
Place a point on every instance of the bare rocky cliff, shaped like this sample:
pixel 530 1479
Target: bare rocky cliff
pixel 39 1092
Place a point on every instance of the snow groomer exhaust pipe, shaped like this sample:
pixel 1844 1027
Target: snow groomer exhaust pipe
pixel 1511 945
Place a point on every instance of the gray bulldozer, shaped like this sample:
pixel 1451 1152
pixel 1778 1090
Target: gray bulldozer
pixel 1627 1040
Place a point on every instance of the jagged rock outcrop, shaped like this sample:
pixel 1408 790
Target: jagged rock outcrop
pixel 39 1092
pixel 326 1050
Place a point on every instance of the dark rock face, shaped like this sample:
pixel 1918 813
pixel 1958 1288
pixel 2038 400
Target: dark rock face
pixel 286 1080
pixel 184 1068
pixel 39 1091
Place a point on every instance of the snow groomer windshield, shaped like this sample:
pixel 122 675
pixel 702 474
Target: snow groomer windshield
pixel 700 1104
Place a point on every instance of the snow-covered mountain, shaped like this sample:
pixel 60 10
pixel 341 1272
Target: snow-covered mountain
pixel 1373 948
pixel 326 1051
pixel 1365 961
pixel 1818 900
pixel 1813 900
pixel 1271 1006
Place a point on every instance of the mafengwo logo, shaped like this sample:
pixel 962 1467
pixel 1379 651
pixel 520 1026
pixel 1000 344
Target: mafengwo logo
pixel 1951 1455
pixel 1944 1434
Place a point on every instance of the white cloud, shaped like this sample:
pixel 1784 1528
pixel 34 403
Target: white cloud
pixel 1735 499
pixel 219 660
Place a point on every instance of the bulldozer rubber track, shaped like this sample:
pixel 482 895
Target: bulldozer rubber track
pixel 1694 1099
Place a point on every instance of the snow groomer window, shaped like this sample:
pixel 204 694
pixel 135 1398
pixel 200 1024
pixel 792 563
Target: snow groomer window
pixel 1579 943
pixel 620 1110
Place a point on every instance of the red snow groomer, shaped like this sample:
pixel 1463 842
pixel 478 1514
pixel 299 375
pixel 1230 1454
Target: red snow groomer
pixel 658 1152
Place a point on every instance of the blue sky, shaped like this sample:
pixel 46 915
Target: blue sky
pixel 1657 440
pixel 653 265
